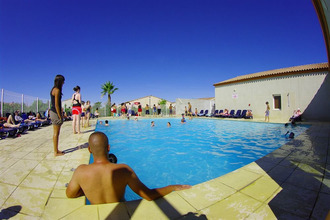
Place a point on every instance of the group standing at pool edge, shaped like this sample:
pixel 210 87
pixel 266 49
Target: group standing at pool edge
pixel 56 111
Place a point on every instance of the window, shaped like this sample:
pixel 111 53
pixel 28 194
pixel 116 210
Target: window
pixel 277 102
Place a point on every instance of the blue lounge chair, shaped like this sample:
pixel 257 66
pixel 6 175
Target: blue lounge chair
pixel 206 112
pixel 243 115
pixel 215 113
pixel 220 112
pixel 238 114
pixel 201 113
pixel 6 132
pixel 231 114
pixel 31 125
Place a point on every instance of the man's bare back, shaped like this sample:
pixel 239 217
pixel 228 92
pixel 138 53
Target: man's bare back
pixel 105 182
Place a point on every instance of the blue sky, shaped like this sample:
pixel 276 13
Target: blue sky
pixel 166 48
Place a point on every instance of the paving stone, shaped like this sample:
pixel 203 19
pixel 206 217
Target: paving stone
pixel 57 208
pixel 322 207
pixel 237 206
pixel 280 173
pixel 239 179
pixel 18 172
pixel 6 190
pixel 261 189
pixel 31 201
pixel 84 212
pixel 295 200
pixel 113 211
pixel 264 212
pixel 206 194
pixel 170 207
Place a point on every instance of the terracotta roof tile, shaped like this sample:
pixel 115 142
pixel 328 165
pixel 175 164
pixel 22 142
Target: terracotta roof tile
pixel 277 72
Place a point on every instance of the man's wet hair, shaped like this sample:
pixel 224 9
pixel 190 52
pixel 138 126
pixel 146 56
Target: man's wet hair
pixel 291 135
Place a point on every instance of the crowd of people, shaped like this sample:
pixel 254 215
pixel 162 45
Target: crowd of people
pixel 127 110
pixel 18 123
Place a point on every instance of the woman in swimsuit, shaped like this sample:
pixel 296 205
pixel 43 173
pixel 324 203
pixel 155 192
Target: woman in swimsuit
pixel 76 110
pixel 123 109
pixel 267 112
pixel 114 109
pixel 154 109
pixel 139 110
pixel 56 111
pixel 88 108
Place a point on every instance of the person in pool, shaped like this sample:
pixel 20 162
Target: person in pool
pixel 105 182
pixel 183 120
pixel 106 123
pixel 152 124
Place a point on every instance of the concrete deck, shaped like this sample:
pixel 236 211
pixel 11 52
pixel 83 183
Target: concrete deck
pixel 293 182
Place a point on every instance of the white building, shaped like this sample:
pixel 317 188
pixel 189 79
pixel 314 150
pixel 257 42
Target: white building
pixel 200 104
pixel 150 100
pixel 306 87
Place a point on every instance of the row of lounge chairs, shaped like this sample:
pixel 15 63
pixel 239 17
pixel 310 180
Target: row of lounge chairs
pixel 22 128
pixel 222 114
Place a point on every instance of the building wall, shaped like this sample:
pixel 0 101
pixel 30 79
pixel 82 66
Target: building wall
pixel 200 104
pixel 296 91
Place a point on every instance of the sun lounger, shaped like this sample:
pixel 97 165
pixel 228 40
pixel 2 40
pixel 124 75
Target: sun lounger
pixel 231 114
pixel 5 132
pixel 215 113
pixel 219 113
pixel 31 125
pixel 243 115
pixel 238 114
pixel 247 117
pixel 201 113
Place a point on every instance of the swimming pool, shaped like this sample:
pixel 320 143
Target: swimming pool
pixel 191 153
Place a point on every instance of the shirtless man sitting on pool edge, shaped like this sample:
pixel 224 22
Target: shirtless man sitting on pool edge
pixel 105 182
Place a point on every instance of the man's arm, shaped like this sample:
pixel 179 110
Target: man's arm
pixel 150 194
pixel 74 190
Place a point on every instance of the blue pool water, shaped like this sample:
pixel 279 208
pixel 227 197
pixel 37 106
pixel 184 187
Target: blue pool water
pixel 190 153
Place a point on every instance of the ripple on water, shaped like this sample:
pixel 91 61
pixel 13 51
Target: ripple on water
pixel 190 153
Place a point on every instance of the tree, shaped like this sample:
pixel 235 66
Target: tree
pixel 97 105
pixel 108 89
pixel 162 102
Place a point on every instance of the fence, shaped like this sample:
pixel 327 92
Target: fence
pixel 11 101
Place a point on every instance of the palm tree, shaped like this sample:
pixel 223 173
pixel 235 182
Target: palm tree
pixel 108 88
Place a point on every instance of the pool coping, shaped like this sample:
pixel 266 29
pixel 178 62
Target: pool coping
pixel 292 181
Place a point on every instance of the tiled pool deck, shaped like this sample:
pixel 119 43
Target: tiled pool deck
pixel 293 182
